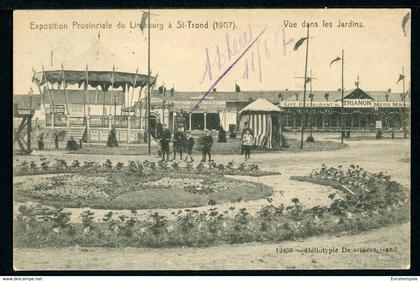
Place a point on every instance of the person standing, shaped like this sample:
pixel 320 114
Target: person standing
pixel 41 142
pixel 56 140
pixel 164 142
pixel 207 144
pixel 159 129
pixel 246 127
pixel 247 141
pixel 189 144
pixel 179 141
pixel 222 134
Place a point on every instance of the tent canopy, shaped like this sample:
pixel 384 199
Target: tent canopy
pixel 95 78
pixel 260 105
pixel 97 58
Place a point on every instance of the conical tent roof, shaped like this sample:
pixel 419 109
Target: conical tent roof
pixel 97 57
pixel 97 66
pixel 260 105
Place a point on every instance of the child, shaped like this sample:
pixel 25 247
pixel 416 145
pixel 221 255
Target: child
pixel 207 143
pixel 247 142
pixel 189 144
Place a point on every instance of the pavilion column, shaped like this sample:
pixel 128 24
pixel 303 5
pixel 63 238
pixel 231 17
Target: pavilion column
pixel 360 120
pixel 88 127
pixel 205 120
pixel 323 121
pixel 128 128
pixel 190 120
pixel 68 121
pixel 173 121
pixel 109 122
pixel 294 121
pixel 52 120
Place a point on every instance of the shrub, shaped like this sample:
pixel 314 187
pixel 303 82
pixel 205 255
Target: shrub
pixel 112 139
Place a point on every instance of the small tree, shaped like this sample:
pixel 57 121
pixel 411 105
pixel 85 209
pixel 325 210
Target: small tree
pixel 112 138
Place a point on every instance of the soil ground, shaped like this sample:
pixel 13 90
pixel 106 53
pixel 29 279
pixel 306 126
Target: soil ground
pixel 242 256
pixel 391 156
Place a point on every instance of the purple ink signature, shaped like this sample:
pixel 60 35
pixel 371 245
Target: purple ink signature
pixel 227 70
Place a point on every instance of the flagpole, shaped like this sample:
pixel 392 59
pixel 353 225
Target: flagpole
pixel 404 111
pixel 310 93
pixel 148 84
pixel 304 88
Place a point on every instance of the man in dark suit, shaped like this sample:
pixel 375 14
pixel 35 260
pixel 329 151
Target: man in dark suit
pixel 179 143
pixel 164 142
pixel 207 144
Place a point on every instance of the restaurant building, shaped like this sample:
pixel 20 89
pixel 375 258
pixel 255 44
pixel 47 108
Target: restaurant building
pixel 362 109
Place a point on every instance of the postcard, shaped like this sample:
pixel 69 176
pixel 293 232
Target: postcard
pixel 211 139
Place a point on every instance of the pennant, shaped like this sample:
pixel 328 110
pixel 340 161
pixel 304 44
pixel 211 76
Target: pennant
pixel 299 42
pixel 237 88
pixel 162 89
pixel 406 18
pixel 143 20
pixel 400 78
pixel 334 60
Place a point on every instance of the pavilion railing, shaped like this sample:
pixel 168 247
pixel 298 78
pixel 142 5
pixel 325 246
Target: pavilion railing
pixel 77 121
pixel 120 121
pixel 135 122
pixel 99 121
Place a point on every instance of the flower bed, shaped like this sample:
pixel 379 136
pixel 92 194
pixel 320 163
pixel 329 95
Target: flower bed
pixel 140 185
pixel 360 210
pixel 146 167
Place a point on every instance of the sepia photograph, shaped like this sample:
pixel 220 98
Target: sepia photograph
pixel 211 139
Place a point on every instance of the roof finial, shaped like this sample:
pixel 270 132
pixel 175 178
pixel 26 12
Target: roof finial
pixel 357 82
pixel 99 35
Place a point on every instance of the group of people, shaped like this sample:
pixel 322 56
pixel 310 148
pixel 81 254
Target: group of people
pixel 183 142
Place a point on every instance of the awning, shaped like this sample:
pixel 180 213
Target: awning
pixel 95 78
pixel 260 105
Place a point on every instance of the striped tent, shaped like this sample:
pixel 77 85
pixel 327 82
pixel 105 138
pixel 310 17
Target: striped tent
pixel 259 116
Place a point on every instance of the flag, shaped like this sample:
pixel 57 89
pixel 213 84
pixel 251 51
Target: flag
pixel 334 60
pixel 162 89
pixel 237 88
pixel 308 80
pixel 400 78
pixel 143 20
pixel 299 42
pixel 406 18
pixel 172 91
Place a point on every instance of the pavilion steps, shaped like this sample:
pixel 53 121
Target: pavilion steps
pixel 78 133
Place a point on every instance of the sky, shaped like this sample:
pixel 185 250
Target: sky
pixel 184 56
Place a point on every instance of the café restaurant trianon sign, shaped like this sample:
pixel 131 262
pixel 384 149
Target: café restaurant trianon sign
pixel 349 103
